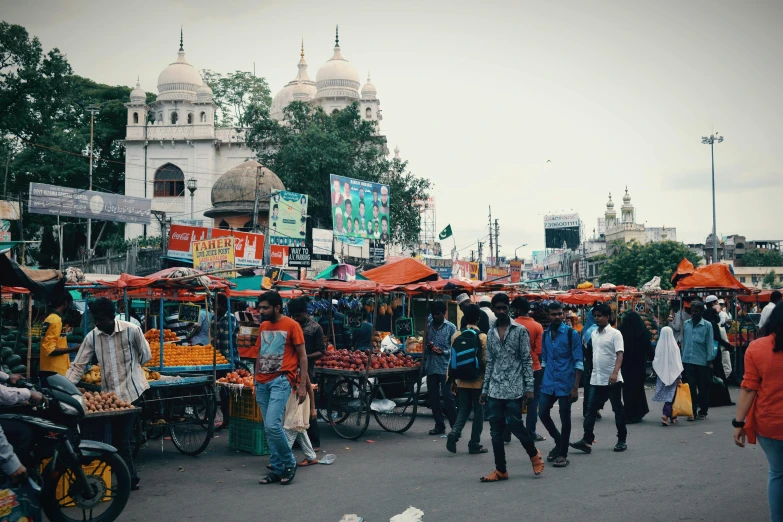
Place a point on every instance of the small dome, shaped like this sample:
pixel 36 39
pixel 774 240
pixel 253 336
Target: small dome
pixel 626 197
pixel 369 91
pixel 138 95
pixel 204 94
pixel 179 81
pixel 235 191
pixel 304 92
pixel 610 203
pixel 337 78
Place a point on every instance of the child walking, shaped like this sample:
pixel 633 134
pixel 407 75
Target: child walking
pixel 668 367
pixel 301 437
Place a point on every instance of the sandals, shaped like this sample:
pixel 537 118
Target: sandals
pixel 304 463
pixel 270 479
pixel 561 462
pixel 495 476
pixel 581 446
pixel 553 455
pixel 538 463
pixel 665 420
pixel 287 476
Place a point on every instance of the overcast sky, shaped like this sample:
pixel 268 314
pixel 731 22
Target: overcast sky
pixel 479 97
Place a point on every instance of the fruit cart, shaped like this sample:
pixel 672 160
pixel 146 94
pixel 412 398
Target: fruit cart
pixel 181 400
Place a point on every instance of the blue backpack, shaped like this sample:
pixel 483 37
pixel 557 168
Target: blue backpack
pixel 465 363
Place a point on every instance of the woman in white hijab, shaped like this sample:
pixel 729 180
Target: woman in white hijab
pixel 668 367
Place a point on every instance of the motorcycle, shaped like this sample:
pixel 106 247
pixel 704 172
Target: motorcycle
pixel 81 479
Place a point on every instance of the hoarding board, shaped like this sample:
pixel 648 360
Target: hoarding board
pixel 214 254
pixel 360 209
pixel 65 201
pixel 248 248
pixel 287 218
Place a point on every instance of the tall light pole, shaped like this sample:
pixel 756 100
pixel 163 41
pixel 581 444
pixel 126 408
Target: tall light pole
pixel 192 188
pixel 92 109
pixel 517 248
pixel 711 140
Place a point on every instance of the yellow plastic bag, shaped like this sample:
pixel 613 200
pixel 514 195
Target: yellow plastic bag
pixel 682 406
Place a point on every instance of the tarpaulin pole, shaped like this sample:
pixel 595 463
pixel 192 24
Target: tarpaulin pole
pixel 29 332
pixel 161 324
pixel 331 320
pixel 230 332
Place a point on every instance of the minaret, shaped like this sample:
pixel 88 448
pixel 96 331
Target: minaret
pixel 610 216
pixel 627 209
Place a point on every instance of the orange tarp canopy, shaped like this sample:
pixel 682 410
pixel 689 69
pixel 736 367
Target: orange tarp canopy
pixel 716 276
pixel 402 272
pixel 762 297
pixel 685 268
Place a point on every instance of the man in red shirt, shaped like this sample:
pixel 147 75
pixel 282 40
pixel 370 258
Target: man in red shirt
pixel 281 366
pixel 536 331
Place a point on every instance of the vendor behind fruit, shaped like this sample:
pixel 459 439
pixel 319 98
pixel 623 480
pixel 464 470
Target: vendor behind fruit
pixel 54 340
pixel 199 334
pixel 121 349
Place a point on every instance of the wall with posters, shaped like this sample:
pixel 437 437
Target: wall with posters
pixel 360 209
pixel 248 248
pixel 287 218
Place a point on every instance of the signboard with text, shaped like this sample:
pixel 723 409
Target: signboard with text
pixel 516 271
pixel 299 257
pixel 214 254
pixel 248 248
pixel 287 218
pixel 65 201
pixel 496 274
pixel 377 252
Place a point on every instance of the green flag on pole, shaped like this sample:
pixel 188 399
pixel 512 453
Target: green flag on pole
pixel 446 232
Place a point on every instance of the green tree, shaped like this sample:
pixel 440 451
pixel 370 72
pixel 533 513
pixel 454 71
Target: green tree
pixel 634 264
pixel 237 95
pixel 311 144
pixel 762 258
pixel 770 280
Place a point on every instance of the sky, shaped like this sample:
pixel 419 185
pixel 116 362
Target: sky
pixel 532 108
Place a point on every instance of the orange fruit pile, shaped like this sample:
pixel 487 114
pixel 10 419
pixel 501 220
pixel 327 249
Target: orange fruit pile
pixel 175 355
pixel 154 335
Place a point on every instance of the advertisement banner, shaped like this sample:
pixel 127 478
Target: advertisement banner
pixel 377 252
pixel 214 254
pixel 287 218
pixel 474 271
pixel 360 209
pixel 9 209
pixel 248 248
pixel 322 242
pixel 496 274
pixel 460 269
pixel 516 271
pixel 561 220
pixel 278 255
pixel 66 201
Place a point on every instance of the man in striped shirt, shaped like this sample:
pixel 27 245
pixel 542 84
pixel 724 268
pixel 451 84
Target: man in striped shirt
pixel 121 349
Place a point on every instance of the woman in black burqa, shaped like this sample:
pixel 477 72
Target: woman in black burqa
pixel 636 339
pixel 719 390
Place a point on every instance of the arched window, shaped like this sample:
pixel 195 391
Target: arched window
pixel 368 113
pixel 174 118
pixel 223 224
pixel 136 118
pixel 203 117
pixel 190 118
pixel 169 182
pixel 160 117
pixel 247 227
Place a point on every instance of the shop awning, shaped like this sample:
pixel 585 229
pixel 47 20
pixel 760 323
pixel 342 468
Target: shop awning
pixel 402 272
pixel 714 276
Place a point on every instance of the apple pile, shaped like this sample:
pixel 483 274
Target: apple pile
pixel 357 361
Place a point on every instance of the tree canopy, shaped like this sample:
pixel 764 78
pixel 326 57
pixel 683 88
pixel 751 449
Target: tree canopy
pixel 310 144
pixel 238 95
pixel 634 264
pixel 762 258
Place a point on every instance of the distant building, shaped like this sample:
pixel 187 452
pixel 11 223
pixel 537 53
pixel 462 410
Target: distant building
pixel 627 229
pixel 732 248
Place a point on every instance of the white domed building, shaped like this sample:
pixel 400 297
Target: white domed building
pixel 172 144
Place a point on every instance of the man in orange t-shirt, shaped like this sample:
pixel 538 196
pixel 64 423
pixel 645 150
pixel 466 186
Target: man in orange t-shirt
pixel 281 366
pixel 536 331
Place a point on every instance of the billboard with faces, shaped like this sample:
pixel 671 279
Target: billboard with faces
pixel 360 209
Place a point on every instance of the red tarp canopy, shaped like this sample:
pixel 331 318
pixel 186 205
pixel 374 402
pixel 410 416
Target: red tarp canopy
pixel 716 275
pixel 763 297
pixel 684 269
pixel 402 272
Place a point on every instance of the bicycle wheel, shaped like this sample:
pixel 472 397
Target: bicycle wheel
pixel 348 408
pixel 400 418
pixel 188 416
pixel 322 399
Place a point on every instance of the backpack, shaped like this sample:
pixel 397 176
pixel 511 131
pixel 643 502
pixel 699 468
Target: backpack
pixel 465 363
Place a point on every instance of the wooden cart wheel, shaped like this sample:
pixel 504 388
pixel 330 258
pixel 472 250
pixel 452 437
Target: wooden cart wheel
pixel 349 408
pixel 327 385
pixel 401 417
pixel 187 418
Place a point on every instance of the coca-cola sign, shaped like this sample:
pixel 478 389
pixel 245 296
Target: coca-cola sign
pixel 248 248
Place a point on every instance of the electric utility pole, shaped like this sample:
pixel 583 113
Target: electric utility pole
pixel 92 109
pixel 491 248
pixel 497 243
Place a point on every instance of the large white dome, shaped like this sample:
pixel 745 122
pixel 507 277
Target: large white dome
pixel 179 81
pixel 301 88
pixel 337 78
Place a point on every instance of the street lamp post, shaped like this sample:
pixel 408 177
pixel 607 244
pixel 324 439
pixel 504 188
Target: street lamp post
pixel 192 188
pixel 517 248
pixel 711 140
pixel 92 110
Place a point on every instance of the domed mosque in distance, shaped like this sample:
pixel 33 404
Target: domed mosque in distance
pixel 202 174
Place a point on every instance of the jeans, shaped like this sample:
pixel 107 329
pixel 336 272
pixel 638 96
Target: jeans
pixel 563 437
pixel 598 397
pixel 437 387
pixel 272 398
pixel 502 412
pixel 699 379
pixel 532 408
pixel 468 399
pixel 773 449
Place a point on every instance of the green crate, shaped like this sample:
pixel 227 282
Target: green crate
pixel 247 436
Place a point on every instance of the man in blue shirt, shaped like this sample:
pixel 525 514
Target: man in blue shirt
pixel 436 366
pixel 199 335
pixel 697 339
pixel 562 361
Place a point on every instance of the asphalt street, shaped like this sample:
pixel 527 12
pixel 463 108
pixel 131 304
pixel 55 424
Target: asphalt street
pixel 689 472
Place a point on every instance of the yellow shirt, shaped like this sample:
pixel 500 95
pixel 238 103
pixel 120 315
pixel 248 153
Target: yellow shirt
pixel 54 337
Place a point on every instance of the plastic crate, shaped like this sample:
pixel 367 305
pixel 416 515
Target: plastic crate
pixel 244 406
pixel 247 436
pixel 64 484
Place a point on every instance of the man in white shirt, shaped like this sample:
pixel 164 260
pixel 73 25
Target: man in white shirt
pixel 774 299
pixel 606 379
pixel 725 317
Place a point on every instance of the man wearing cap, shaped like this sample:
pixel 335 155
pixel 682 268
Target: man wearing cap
pixel 463 300
pixel 384 199
pixel 725 317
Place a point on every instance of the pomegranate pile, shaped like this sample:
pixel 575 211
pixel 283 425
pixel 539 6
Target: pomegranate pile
pixel 357 361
